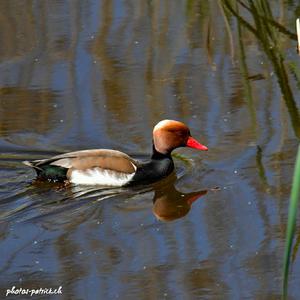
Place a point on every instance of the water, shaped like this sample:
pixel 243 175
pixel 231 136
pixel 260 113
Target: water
pixel 101 74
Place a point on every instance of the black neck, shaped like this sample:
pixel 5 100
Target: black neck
pixel 160 166
pixel 158 155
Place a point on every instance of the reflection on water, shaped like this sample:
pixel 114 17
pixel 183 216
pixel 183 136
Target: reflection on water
pixel 169 204
pixel 100 74
pixel 24 109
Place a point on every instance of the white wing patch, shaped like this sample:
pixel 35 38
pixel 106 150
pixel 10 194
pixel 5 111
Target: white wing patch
pixel 98 176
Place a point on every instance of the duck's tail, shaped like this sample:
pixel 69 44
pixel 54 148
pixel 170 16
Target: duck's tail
pixel 31 164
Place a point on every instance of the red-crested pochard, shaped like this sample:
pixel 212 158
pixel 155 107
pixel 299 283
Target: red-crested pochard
pixel 115 168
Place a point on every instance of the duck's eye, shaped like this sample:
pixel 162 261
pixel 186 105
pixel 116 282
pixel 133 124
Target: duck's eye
pixel 183 133
pixel 178 133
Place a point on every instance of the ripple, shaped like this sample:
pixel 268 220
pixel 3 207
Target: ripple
pixel 24 199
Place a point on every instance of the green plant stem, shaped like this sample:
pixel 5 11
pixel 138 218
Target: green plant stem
pixel 290 232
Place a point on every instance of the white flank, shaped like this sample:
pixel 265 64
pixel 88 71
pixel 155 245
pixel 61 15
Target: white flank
pixel 98 176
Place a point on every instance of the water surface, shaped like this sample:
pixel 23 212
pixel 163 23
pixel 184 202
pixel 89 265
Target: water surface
pixel 101 74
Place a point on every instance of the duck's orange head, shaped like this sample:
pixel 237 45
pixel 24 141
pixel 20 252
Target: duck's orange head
pixel 169 135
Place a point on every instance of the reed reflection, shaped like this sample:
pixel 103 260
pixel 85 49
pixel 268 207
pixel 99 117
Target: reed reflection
pixel 23 109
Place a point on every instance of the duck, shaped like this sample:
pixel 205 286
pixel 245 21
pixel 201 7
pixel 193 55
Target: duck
pixel 113 168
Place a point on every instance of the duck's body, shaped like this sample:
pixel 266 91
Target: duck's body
pixel 114 168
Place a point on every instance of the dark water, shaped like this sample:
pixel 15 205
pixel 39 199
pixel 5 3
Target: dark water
pixel 100 74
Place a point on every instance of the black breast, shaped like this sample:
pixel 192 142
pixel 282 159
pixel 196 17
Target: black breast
pixel 159 167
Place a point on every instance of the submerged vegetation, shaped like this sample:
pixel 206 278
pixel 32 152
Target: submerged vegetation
pixel 268 32
pixel 257 17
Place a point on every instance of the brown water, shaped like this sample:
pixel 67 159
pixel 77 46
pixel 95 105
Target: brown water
pixel 100 74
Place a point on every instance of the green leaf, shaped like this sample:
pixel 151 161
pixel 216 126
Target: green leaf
pixel 292 215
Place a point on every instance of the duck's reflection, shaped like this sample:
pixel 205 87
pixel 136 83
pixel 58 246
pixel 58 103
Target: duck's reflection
pixel 169 204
